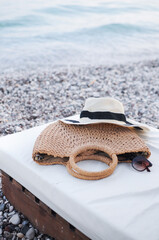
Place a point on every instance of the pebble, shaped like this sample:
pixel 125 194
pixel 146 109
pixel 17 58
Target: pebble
pixel 2 205
pixel 20 235
pixel 15 219
pixel 20 225
pixel 17 228
pixel 10 208
pixel 24 229
pixel 5 215
pixel 7 235
pixel 25 222
pixel 18 129
pixel 11 213
pixel 30 234
pixel 8 228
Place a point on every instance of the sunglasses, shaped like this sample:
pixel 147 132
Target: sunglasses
pixel 140 163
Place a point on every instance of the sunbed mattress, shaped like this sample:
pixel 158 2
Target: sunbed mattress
pixel 123 206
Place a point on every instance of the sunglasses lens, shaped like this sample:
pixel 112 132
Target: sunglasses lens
pixel 140 163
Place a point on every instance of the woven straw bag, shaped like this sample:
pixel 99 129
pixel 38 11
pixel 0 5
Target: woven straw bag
pixel 65 144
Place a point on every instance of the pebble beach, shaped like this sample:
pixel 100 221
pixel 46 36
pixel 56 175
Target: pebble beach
pixel 31 98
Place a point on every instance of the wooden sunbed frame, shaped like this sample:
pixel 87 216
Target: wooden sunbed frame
pixel 41 216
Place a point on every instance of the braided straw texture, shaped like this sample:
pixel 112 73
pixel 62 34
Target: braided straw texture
pixel 76 171
pixel 60 139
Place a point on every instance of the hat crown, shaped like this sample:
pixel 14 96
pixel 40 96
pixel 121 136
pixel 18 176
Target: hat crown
pixel 103 110
pixel 105 104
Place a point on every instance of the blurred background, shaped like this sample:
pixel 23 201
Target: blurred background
pixel 65 32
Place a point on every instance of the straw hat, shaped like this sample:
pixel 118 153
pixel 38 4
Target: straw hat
pixel 103 110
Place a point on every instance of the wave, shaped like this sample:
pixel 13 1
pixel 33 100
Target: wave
pixel 122 28
pixel 29 20
pixel 107 9
pixel 114 30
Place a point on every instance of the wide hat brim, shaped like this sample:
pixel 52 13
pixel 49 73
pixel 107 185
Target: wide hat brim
pixel 76 120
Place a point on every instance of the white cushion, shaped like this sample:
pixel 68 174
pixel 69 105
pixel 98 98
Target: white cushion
pixel 123 206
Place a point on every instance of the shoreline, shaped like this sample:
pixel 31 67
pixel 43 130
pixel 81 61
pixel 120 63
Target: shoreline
pixel 29 99
pixel 28 69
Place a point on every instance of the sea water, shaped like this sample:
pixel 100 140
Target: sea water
pixel 65 32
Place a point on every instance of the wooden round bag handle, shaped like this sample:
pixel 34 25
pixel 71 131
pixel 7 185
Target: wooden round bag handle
pixel 78 172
